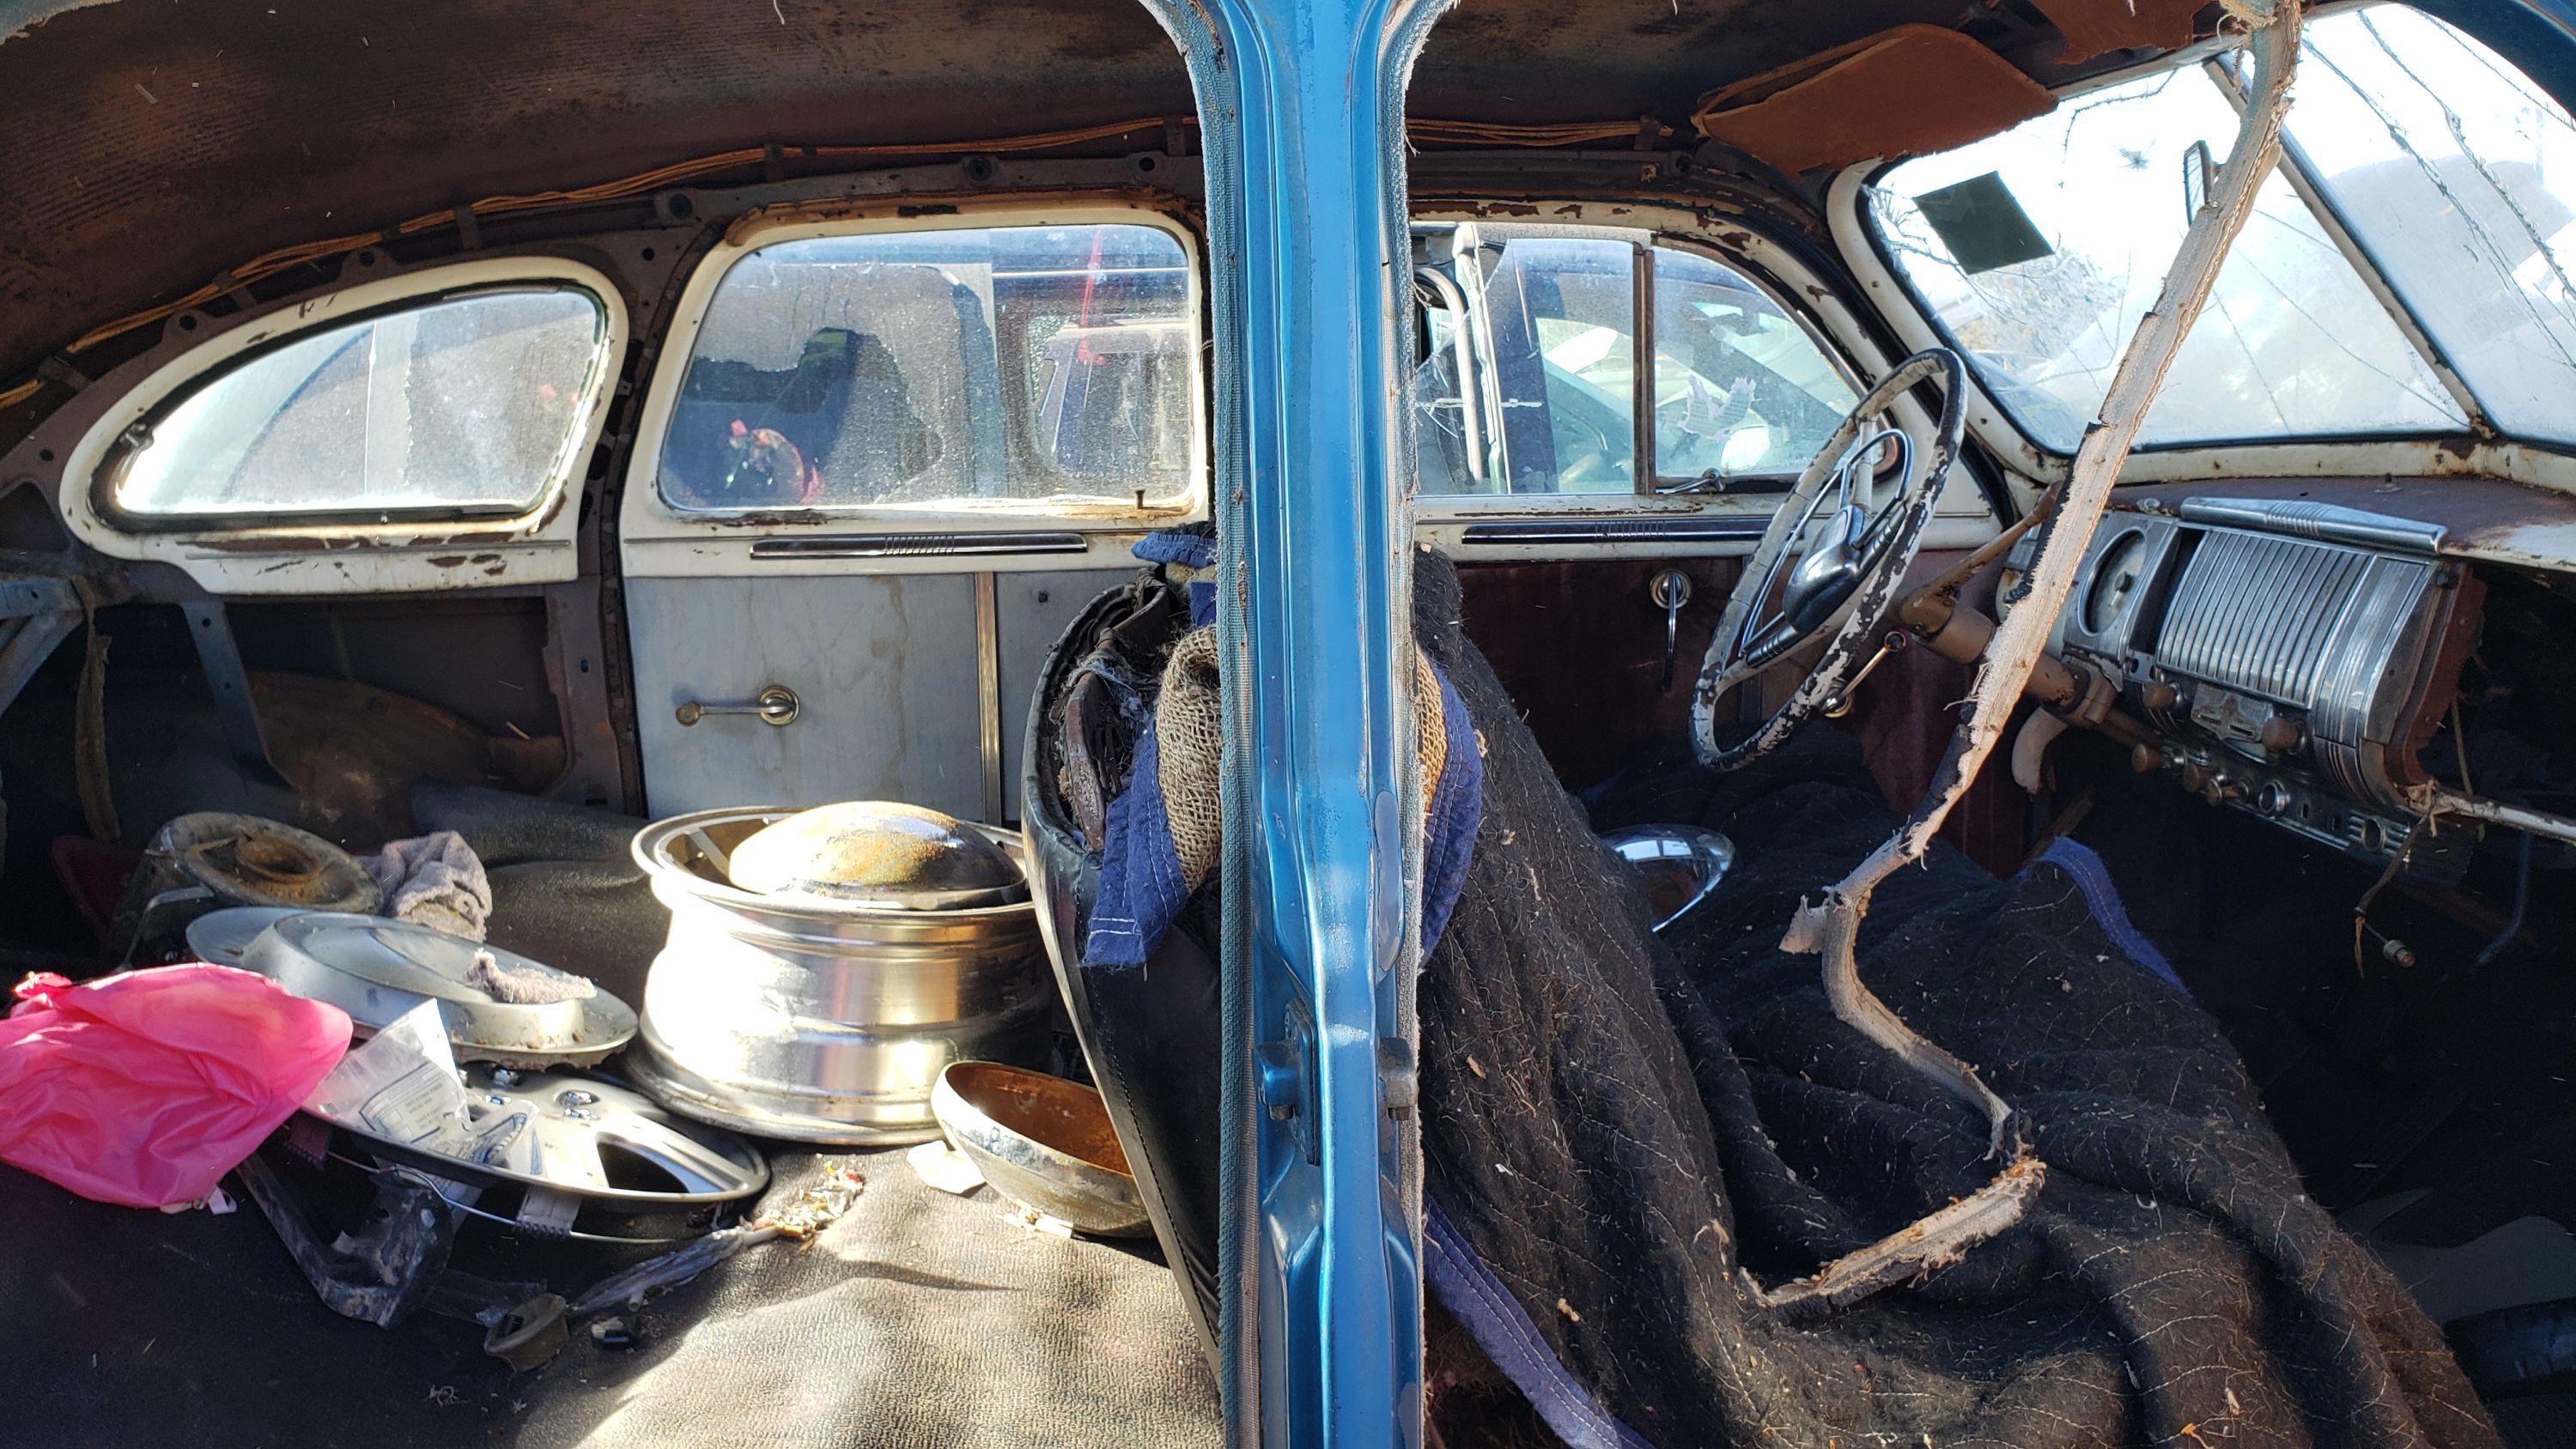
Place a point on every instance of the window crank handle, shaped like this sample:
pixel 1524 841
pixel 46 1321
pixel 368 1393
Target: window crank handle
pixel 776 705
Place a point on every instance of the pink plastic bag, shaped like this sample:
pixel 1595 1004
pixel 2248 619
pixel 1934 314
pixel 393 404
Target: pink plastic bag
pixel 145 1088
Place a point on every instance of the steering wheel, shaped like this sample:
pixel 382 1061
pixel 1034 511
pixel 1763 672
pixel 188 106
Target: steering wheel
pixel 1854 553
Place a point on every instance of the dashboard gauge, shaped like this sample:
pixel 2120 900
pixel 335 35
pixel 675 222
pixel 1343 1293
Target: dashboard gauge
pixel 2116 574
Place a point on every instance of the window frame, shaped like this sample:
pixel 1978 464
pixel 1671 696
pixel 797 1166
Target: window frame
pixel 2479 451
pixel 224 356
pixel 374 551
pixel 647 518
pixel 171 381
pixel 1731 522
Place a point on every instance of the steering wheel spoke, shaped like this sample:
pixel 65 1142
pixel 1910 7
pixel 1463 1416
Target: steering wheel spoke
pixel 1852 541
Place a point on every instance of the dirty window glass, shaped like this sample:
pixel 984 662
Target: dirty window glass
pixel 1741 389
pixel 2459 174
pixel 472 402
pixel 2040 249
pixel 1562 313
pixel 989 366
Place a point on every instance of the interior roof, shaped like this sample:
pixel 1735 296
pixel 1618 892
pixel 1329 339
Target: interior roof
pixel 144 144
pixel 1551 60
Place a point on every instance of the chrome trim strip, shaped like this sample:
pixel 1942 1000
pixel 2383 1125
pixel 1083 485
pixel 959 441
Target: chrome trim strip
pixel 1618 530
pixel 988 692
pixel 2324 522
pixel 919 545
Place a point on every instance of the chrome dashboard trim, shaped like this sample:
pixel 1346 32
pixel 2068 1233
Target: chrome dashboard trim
pixel 2323 522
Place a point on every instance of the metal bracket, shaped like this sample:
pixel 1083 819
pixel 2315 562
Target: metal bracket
pixel 379 1275
pixel 35 615
pixel 228 679
pixel 1288 1079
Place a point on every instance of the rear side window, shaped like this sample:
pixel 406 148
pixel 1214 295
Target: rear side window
pixel 465 404
pixel 989 366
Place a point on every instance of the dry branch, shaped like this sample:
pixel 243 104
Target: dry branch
pixel 1831 925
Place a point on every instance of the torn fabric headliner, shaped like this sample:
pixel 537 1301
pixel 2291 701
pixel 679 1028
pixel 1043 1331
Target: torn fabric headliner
pixel 147 144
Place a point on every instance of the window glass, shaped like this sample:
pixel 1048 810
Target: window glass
pixel 2459 175
pixel 468 403
pixel 2040 249
pixel 1562 314
pixel 1741 390
pixel 974 367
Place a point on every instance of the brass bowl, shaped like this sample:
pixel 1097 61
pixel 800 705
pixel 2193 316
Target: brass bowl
pixel 1044 1143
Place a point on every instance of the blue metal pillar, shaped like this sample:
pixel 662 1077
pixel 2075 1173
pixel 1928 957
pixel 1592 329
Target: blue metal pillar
pixel 1301 114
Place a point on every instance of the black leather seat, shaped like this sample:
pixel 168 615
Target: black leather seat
pixel 1150 1033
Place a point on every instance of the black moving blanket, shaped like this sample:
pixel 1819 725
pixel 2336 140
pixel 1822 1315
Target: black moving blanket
pixel 1619 1128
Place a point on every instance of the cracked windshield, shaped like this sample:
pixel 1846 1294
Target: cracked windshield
pixel 2444 167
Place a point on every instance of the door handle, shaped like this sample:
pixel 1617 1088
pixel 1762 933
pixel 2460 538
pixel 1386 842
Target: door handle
pixel 1670 590
pixel 776 705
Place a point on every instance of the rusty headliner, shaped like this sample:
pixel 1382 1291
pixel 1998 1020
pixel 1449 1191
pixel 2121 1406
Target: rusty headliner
pixel 145 144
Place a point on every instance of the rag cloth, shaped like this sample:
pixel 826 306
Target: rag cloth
pixel 1163 831
pixel 434 880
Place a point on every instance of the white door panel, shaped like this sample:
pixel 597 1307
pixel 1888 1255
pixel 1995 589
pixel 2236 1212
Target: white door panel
pixel 883 668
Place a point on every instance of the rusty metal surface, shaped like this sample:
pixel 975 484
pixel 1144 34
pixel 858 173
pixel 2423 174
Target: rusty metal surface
pixel 1540 62
pixel 2486 518
pixel 235 126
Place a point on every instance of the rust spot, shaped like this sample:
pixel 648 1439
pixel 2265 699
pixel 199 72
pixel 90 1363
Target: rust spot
pixel 447 561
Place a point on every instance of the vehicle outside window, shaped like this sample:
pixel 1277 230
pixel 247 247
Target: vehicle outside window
pixel 1741 391
pixel 981 366
pixel 2449 171
pixel 460 405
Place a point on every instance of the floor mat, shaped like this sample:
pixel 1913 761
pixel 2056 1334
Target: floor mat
pixel 919 1320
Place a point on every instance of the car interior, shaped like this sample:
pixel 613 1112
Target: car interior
pixel 595 438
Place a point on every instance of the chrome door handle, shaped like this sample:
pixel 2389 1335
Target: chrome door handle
pixel 777 705
pixel 1670 590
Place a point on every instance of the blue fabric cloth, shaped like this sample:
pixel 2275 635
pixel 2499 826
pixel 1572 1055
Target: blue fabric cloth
pixel 1172 546
pixel 2093 881
pixel 1449 821
pixel 1496 1321
pixel 1142 889
pixel 1141 885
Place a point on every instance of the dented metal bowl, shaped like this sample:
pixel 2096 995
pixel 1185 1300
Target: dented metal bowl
pixel 1044 1143
pixel 824 1020
pixel 1682 865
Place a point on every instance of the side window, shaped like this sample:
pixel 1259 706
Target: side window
pixel 1740 389
pixel 1563 317
pixel 987 366
pixel 465 404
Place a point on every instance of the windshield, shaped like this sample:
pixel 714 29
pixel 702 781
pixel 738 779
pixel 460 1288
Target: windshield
pixel 2448 171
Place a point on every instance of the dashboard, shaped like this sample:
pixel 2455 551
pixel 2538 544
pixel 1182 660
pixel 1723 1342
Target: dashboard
pixel 2288 659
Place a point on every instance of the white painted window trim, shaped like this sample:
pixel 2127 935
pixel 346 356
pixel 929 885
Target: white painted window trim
pixel 2317 457
pixel 1963 521
pixel 431 549
pixel 660 541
